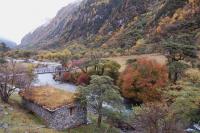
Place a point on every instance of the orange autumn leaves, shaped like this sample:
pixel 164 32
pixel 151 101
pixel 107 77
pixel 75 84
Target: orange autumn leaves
pixel 140 81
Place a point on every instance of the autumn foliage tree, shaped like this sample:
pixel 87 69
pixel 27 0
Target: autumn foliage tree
pixel 140 81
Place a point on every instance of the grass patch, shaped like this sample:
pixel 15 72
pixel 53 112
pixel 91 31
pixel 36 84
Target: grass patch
pixel 92 128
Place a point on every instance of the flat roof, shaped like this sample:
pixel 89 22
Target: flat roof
pixel 48 97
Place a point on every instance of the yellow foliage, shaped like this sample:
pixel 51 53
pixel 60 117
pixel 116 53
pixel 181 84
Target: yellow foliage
pixel 193 75
pixel 181 14
pixel 139 43
pixel 55 54
pixel 98 38
pixel 66 52
pixel 100 2
pixel 105 46
pixel 49 97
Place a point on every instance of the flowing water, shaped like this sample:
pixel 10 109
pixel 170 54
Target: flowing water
pixel 47 79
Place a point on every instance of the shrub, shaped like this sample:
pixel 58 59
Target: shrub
pixel 131 61
pixel 156 118
pixel 83 79
pixel 105 67
pixel 193 75
pixel 176 70
pixel 67 77
pixel 140 82
pixel 111 69
pixel 185 104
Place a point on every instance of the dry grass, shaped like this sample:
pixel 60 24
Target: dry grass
pixel 49 97
pixel 123 59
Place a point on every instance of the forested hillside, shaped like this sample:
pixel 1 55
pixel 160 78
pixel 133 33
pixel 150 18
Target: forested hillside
pixel 142 26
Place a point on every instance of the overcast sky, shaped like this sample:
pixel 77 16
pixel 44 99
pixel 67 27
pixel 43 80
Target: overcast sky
pixel 18 17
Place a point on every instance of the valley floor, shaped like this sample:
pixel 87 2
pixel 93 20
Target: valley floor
pixel 15 119
pixel 123 59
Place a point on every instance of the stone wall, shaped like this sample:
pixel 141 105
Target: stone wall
pixel 62 118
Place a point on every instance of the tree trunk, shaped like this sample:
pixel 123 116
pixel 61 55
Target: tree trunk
pixel 99 120
pixel 3 93
pixel 4 99
pixel 99 114
pixel 170 76
pixel 175 78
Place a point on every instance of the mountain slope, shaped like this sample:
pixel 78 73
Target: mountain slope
pixel 118 23
pixel 45 33
pixel 83 20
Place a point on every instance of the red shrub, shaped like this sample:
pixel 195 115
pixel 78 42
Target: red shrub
pixel 142 80
pixel 66 77
pixel 83 79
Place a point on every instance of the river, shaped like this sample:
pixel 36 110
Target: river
pixel 47 79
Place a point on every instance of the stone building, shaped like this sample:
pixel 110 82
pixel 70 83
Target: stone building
pixel 59 109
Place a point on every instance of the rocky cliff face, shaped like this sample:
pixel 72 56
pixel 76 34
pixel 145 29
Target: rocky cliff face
pixel 116 23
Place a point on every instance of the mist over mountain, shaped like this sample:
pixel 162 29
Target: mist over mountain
pixel 8 43
pixel 118 23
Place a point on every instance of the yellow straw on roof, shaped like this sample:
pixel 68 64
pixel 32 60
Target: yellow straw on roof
pixel 48 97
